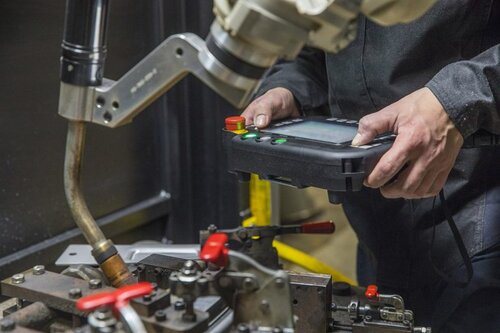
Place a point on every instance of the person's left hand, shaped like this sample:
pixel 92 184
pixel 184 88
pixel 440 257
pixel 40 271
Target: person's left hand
pixel 427 143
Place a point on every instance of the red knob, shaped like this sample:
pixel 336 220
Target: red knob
pixel 371 292
pixel 327 227
pixel 215 250
pixel 235 123
pixel 116 299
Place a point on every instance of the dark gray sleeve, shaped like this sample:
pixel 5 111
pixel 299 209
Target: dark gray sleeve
pixel 305 77
pixel 470 92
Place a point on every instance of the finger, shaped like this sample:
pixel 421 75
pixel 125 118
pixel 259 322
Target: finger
pixel 374 124
pixel 438 183
pixel 406 183
pixel 389 165
pixel 425 188
pixel 259 113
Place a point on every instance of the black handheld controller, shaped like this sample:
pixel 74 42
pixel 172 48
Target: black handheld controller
pixel 303 152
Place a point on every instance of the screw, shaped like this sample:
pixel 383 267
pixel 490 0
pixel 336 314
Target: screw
pixel 38 270
pixel 18 278
pixel 160 315
pixel 280 283
pixel 243 328
pixel 75 293
pixel 179 305
pixel 248 283
pixel 95 283
pixel 264 306
pixel 212 228
pixel 7 324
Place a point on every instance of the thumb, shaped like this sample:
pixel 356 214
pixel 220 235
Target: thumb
pixel 373 125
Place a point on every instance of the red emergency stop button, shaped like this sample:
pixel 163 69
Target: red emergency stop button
pixel 236 123
pixel 371 291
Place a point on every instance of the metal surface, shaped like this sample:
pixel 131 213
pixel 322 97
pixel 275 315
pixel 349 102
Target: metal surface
pixel 80 254
pixel 311 299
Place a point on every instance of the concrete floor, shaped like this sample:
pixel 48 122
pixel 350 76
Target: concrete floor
pixel 337 250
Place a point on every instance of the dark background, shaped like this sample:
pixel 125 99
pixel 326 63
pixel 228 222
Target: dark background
pixel 163 176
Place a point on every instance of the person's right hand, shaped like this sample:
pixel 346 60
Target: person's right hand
pixel 277 103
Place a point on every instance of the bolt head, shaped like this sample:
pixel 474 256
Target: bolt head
pixel 38 269
pixel 264 306
pixel 212 228
pixel 243 328
pixel 18 278
pixel 95 284
pixel 147 298
pixel 248 283
pixel 7 324
pixel 280 283
pixel 179 306
pixel 75 293
pixel 160 315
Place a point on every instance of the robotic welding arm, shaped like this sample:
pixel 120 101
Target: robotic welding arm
pixel 246 38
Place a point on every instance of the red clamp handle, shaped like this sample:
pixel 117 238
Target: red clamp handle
pixel 371 292
pixel 327 227
pixel 215 250
pixel 116 299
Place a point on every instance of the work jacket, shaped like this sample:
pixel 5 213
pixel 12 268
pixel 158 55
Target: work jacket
pixel 453 50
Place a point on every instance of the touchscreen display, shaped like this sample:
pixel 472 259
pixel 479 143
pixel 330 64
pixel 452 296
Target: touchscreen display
pixel 317 130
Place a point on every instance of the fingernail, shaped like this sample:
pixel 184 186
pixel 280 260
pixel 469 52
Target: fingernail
pixel 260 121
pixel 357 140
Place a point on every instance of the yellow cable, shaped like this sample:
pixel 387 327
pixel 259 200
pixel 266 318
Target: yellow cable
pixel 310 263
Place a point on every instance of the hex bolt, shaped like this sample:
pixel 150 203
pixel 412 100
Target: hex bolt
pixel 38 270
pixel 243 328
pixel 179 306
pixel 160 315
pixel 75 293
pixel 95 284
pixel 18 278
pixel 7 324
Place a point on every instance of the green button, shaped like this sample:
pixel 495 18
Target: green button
pixel 280 141
pixel 251 135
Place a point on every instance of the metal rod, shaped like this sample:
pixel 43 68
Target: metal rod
pixel 75 143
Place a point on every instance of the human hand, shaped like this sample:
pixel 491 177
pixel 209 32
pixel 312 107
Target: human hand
pixel 427 142
pixel 277 103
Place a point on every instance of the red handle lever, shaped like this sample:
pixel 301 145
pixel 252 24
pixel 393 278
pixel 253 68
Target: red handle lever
pixel 327 227
pixel 116 299
pixel 371 292
pixel 215 250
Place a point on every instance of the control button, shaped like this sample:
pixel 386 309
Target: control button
pixel 280 141
pixel 298 120
pixel 236 123
pixel 371 291
pixel 264 139
pixel 351 122
pixel 332 119
pixel 250 135
pixel 341 120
